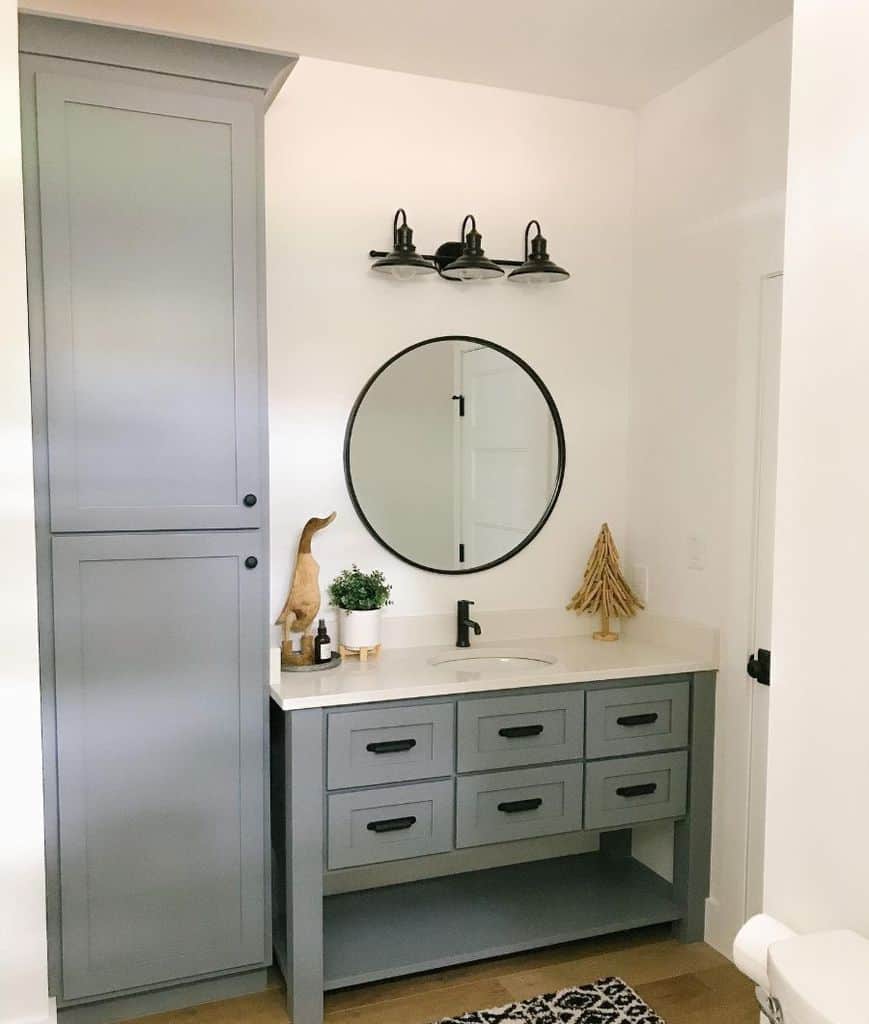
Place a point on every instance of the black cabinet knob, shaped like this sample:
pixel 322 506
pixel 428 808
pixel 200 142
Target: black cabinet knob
pixel 251 562
pixel 249 500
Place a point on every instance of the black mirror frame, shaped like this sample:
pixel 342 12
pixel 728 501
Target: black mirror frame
pixel 559 435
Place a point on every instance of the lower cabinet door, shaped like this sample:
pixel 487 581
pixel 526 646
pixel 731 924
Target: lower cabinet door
pixel 633 789
pixel 160 696
pixel 390 823
pixel 500 806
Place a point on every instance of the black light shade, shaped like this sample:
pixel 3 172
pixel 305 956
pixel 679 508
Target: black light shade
pixel 472 265
pixel 538 268
pixel 403 262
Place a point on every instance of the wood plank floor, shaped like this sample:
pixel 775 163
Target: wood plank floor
pixel 684 984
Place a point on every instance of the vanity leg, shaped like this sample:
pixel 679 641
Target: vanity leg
pixel 616 845
pixel 304 781
pixel 693 835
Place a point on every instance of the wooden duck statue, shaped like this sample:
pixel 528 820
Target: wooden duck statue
pixel 303 601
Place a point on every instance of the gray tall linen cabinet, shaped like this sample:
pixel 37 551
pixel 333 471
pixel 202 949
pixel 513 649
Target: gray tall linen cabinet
pixel 143 172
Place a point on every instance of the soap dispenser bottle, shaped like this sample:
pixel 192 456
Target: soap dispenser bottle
pixel 322 644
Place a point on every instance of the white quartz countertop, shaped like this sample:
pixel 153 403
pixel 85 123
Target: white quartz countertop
pixel 408 672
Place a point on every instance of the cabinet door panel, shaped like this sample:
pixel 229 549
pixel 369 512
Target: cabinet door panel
pixel 637 719
pixel 160 690
pixel 369 747
pixel 501 806
pixel 150 251
pixel 389 823
pixel 631 789
pixel 507 731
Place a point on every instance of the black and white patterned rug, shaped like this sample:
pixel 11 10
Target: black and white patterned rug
pixel 606 1001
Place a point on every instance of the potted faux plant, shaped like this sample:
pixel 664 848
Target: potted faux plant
pixel 359 597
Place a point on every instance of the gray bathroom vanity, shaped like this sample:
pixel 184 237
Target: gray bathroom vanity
pixel 482 812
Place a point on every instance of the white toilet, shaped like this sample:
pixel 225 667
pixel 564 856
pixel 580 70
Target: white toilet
pixel 805 979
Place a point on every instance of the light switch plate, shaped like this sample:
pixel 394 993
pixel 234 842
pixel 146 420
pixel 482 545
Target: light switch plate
pixel 696 552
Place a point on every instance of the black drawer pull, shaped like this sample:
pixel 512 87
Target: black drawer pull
pixel 512 806
pixel 515 732
pixel 391 746
pixel 643 789
pixel 646 719
pixel 391 824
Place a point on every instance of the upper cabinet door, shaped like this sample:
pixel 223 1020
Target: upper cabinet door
pixel 150 249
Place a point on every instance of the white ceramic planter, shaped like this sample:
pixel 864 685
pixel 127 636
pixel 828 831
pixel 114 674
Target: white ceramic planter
pixel 359 629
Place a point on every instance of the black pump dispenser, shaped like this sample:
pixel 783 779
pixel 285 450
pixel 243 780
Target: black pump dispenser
pixel 322 644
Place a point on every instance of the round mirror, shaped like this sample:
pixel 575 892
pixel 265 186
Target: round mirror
pixel 454 454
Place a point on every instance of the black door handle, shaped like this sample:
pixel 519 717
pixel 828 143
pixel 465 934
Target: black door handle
pixel 251 562
pixel 391 824
pixel 758 667
pixel 390 746
pixel 514 732
pixel 512 806
pixel 643 789
pixel 646 719
pixel 249 500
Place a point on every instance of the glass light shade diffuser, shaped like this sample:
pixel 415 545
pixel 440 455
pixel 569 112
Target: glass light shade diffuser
pixel 403 262
pixel 472 264
pixel 537 267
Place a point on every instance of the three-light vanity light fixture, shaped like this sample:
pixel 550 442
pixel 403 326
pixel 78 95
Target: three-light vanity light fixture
pixel 465 260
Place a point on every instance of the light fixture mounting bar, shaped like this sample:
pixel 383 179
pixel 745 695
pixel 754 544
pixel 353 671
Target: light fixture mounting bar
pixel 376 254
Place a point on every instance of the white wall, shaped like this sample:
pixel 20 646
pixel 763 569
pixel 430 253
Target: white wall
pixel 817 825
pixel 709 224
pixel 345 146
pixel 23 982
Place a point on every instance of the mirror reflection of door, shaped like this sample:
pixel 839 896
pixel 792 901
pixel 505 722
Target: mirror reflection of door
pixel 506 454
pixel 454 454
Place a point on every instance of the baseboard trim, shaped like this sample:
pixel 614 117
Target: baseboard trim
pixel 108 1011
pixel 715 933
pixel 50 1019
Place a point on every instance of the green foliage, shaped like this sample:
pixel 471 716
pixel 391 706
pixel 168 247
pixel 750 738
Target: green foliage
pixel 359 591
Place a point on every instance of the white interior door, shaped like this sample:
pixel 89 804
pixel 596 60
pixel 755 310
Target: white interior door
pixel 507 455
pixel 767 432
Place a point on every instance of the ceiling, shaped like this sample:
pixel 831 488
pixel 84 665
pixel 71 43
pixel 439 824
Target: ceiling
pixel 616 52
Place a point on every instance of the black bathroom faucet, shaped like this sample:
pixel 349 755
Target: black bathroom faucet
pixel 464 624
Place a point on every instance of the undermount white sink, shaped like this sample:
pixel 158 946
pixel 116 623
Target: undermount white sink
pixel 492 659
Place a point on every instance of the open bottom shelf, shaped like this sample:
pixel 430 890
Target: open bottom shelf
pixel 436 922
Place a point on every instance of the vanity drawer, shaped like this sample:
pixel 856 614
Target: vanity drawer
pixel 500 806
pixel 636 719
pixel 390 824
pixel 369 747
pixel 503 732
pixel 633 789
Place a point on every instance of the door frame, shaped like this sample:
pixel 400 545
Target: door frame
pixel 766 361
pixel 725 906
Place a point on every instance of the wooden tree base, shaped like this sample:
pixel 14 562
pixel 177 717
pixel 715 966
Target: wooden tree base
pixel 605 636
pixel 358 652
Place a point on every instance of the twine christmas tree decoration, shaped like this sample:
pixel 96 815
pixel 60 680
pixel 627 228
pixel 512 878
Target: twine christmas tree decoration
pixel 604 589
